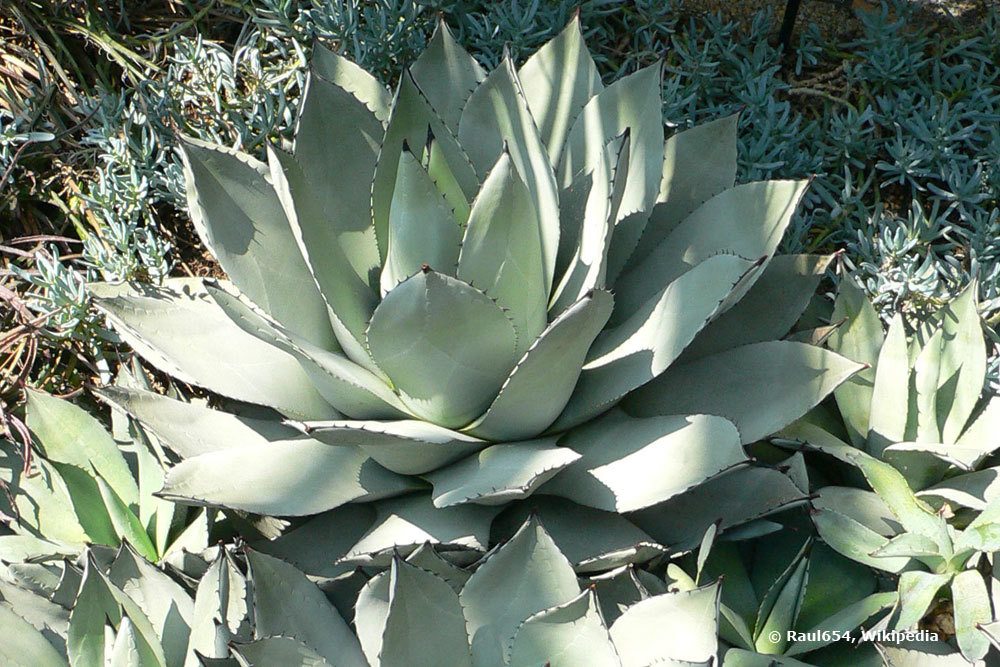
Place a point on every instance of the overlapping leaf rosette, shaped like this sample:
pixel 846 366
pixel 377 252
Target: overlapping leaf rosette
pixel 522 606
pixel 918 498
pixel 483 293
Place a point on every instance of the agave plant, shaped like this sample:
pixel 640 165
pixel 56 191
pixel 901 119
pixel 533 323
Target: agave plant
pixel 482 285
pixel 521 606
pixel 789 600
pixel 80 485
pixel 914 430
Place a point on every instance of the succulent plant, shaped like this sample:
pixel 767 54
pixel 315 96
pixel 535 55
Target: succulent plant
pixel 522 605
pixel 787 599
pixel 483 285
pixel 78 485
pixel 914 429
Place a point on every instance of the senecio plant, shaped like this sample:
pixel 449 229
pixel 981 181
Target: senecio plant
pixel 484 304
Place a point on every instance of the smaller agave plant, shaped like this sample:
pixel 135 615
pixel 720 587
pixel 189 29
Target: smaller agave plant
pixel 782 580
pixel 521 606
pixel 80 485
pixel 919 499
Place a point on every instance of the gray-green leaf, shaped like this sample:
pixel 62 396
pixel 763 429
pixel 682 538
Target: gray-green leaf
pixel 502 251
pixel 558 80
pixel 500 473
pixel 422 229
pixel 972 609
pixel 631 463
pixel 797 377
pixel 67 434
pixel 642 347
pixel 565 636
pixel 288 478
pixel 541 384
pixel 669 627
pixel 285 602
pixel 859 339
pixel 445 345
pixel 180 330
pixel 240 219
pixel 525 576
pixel 497 114
pixel 698 163
pixel 747 220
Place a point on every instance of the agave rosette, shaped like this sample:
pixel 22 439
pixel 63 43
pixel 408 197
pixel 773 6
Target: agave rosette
pixel 523 605
pixel 919 499
pixel 482 286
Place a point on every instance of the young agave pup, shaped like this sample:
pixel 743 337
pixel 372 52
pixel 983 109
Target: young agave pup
pixel 915 430
pixel 482 287
pixel 80 485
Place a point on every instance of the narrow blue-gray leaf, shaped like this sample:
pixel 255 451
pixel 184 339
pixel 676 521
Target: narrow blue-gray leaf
pixel 587 226
pixel 278 650
pixel 887 417
pixel 220 611
pixel 335 129
pixel 190 429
